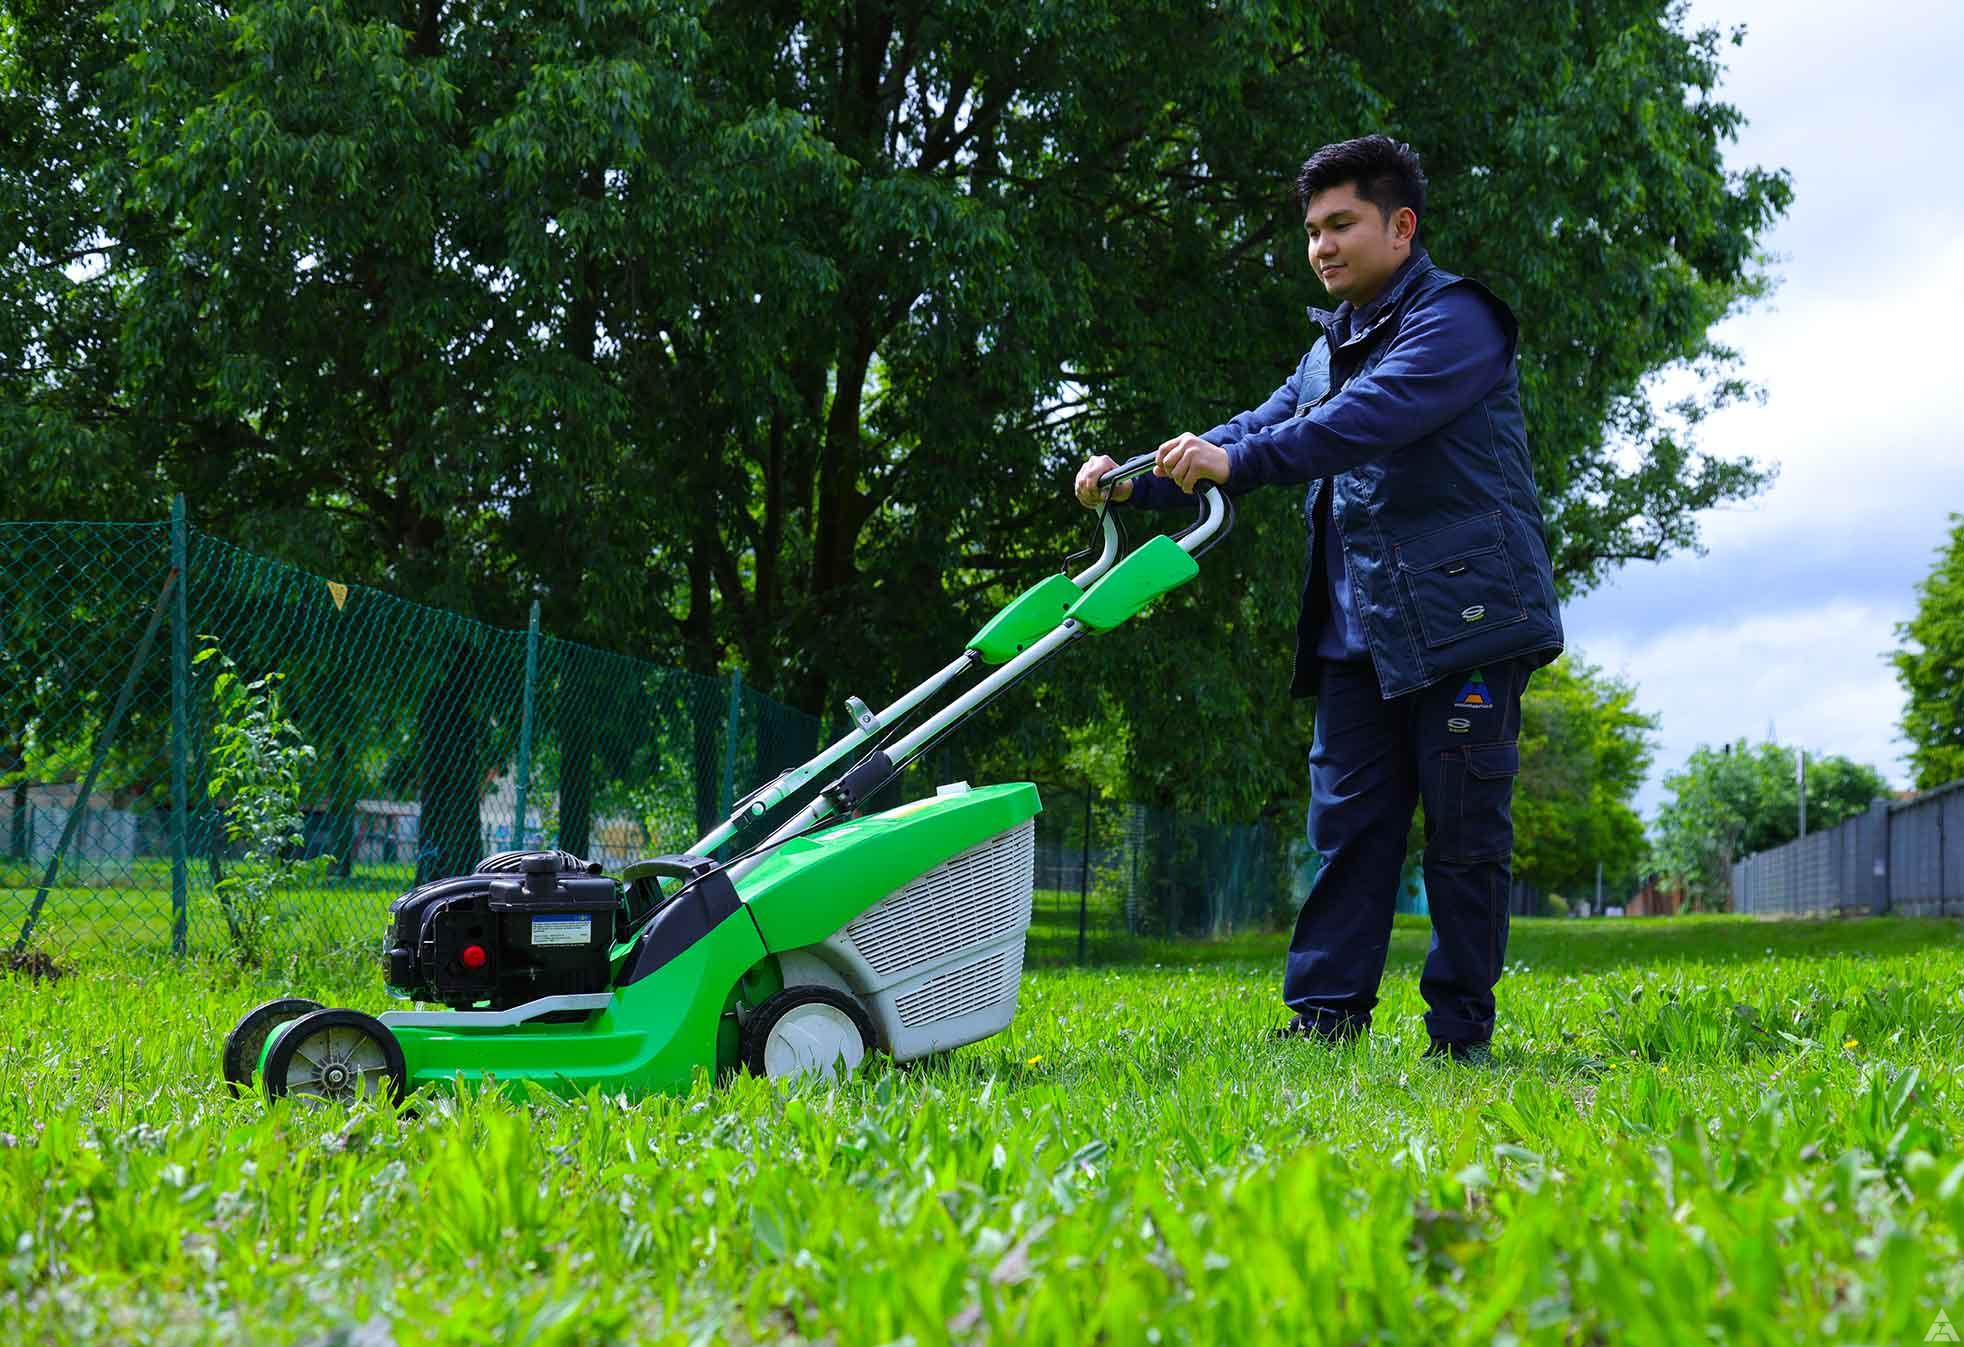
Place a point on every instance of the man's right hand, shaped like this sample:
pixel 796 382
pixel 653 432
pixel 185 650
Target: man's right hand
pixel 1089 493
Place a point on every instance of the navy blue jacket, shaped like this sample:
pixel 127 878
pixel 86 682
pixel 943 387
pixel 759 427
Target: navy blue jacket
pixel 1423 451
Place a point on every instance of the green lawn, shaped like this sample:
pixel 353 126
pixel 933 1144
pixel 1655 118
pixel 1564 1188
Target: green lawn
pixel 127 908
pixel 1696 1130
pixel 132 916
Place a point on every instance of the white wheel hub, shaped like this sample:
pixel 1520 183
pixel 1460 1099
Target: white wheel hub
pixel 338 1063
pixel 813 1037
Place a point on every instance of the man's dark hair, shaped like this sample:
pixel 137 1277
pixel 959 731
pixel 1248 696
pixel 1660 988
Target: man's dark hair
pixel 1384 171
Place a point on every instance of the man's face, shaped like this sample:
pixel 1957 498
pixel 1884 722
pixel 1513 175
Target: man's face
pixel 1354 246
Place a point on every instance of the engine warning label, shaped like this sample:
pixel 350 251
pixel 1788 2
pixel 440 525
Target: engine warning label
pixel 568 930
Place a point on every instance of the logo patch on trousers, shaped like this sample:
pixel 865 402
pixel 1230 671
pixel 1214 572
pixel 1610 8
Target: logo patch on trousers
pixel 1459 724
pixel 1474 692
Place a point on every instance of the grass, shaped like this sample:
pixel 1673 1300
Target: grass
pixel 127 907
pixel 130 913
pixel 1700 1129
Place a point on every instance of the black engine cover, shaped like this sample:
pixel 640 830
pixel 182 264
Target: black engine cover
pixel 525 925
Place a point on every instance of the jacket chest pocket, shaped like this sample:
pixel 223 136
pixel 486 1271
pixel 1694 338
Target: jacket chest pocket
pixel 1459 581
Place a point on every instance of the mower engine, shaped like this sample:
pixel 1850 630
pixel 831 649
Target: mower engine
pixel 526 924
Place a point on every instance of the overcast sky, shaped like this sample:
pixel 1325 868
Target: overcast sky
pixel 1789 617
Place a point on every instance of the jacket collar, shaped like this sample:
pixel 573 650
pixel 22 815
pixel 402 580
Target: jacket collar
pixel 1362 322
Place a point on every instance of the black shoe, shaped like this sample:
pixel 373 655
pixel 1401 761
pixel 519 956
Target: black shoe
pixel 1472 1054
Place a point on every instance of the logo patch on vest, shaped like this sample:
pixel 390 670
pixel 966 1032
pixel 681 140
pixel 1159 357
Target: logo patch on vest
pixel 1475 693
pixel 1459 725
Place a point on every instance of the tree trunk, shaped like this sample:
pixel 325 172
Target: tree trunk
pixel 575 724
pixel 706 709
pixel 336 836
pixel 450 757
pixel 707 719
pixel 11 759
pixel 840 502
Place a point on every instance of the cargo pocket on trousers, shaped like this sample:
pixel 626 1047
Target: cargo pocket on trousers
pixel 1485 830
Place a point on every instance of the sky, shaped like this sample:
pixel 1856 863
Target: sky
pixel 1788 619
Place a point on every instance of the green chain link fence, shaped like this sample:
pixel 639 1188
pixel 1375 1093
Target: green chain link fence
pixel 1110 872
pixel 436 740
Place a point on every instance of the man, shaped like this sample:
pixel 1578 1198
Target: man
pixel 1427 597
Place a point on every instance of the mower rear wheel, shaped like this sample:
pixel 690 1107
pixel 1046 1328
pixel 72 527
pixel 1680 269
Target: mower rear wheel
pixel 248 1037
pixel 807 1029
pixel 337 1055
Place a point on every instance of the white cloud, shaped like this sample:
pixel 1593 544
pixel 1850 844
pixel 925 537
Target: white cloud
pixel 1789 616
pixel 1817 677
pixel 1863 408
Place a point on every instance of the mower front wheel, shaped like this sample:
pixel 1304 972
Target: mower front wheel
pixel 337 1055
pixel 807 1029
pixel 242 1046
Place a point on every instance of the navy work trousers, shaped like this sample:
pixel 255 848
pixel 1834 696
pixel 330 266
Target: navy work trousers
pixel 1456 746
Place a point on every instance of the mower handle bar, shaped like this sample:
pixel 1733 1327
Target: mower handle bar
pixel 1135 466
pixel 1216 511
pixel 1106 559
pixel 1216 518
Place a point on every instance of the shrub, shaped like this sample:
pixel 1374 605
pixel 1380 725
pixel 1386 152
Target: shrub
pixel 256 757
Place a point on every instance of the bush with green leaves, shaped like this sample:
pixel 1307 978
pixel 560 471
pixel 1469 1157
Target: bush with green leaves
pixel 257 755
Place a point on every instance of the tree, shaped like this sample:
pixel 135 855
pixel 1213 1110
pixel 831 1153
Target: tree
pixel 1930 666
pixel 1585 749
pixel 394 357
pixel 1740 799
pixel 766 334
pixel 1715 799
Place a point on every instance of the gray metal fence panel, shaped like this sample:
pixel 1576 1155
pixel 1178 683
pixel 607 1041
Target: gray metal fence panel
pixel 1931 828
pixel 1924 875
pixel 1912 859
pixel 1871 859
pixel 1952 865
pixel 1905 858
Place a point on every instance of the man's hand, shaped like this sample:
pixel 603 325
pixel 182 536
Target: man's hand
pixel 1089 493
pixel 1190 460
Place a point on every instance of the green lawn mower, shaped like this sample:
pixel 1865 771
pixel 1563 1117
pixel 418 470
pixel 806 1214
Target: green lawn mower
pixel 839 934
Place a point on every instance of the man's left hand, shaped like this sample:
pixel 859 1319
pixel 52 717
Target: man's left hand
pixel 1190 460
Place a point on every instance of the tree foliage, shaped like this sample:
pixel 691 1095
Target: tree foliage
pixel 1740 799
pixel 766 334
pixel 1930 666
pixel 1585 749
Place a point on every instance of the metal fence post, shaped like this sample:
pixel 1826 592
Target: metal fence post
pixel 520 828
pixel 180 703
pixel 1943 895
pixel 105 738
pixel 730 743
pixel 1084 876
pixel 1887 853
